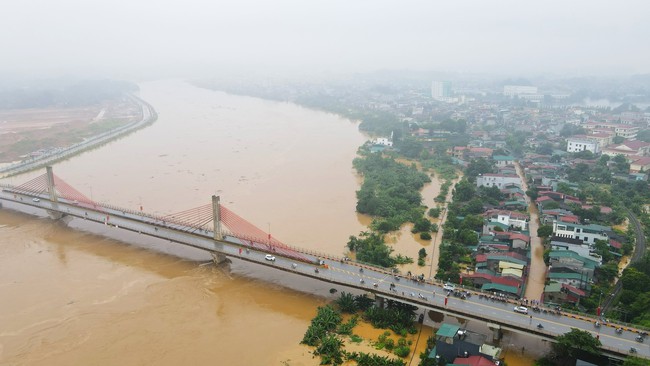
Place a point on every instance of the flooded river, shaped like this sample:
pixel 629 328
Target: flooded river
pixel 70 296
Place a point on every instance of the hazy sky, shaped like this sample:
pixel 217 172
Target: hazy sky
pixel 188 37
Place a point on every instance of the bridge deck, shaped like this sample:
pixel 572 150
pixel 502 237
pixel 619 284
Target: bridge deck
pixel 374 280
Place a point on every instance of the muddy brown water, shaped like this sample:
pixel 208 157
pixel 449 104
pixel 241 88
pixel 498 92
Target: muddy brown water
pixel 72 296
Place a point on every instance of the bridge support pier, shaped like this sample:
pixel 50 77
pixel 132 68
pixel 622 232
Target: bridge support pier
pixel 497 333
pixel 55 215
pixel 379 301
pixel 218 258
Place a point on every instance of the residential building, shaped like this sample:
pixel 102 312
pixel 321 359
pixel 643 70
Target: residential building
pixel 440 90
pixel 383 141
pixel 587 233
pixel 453 342
pixel 577 145
pixel 497 180
pixel 628 148
pixel 512 219
pixel 518 90
pixel 502 161
pixel 641 164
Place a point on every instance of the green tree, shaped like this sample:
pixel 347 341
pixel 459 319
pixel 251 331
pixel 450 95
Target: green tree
pixel 435 212
pixel 468 237
pixel 572 345
pixel 346 302
pixel 330 350
pixel 370 248
pixel 635 361
pixel 545 231
pixel 464 191
pixel 635 280
pixel 478 166
pixel 606 273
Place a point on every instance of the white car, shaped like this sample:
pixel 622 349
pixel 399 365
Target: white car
pixel 449 287
pixel 521 309
pixel 269 257
pixel 36 200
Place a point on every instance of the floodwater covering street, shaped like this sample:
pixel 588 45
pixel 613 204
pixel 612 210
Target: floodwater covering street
pixel 71 296
pixel 537 271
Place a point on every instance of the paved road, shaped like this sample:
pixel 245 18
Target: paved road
pixel 422 294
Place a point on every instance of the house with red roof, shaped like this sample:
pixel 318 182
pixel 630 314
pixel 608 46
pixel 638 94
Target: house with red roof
pixel 473 361
pixel 640 164
pixel 628 148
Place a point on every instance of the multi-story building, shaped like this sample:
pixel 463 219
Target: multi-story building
pixel 628 148
pixel 517 90
pixel 509 218
pixel 502 161
pixel 440 90
pixel 497 180
pixel 579 144
pixel 587 233
pixel 626 131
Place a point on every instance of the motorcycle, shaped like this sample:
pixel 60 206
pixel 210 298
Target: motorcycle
pixel 639 339
pixel 632 350
pixel 540 326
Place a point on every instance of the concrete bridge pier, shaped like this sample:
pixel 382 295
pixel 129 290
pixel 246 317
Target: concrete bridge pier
pixel 379 301
pixel 497 333
pixel 218 258
pixel 55 215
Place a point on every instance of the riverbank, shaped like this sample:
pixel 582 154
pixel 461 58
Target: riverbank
pixel 53 155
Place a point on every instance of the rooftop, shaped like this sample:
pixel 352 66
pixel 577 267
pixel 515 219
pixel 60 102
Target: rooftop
pixel 447 330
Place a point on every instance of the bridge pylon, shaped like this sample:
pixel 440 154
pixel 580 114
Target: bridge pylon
pixel 50 184
pixel 216 217
pixel 51 189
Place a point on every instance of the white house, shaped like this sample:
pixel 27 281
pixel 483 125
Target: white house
pixel 577 145
pixel 509 218
pixel 587 233
pixel 383 141
pixel 497 180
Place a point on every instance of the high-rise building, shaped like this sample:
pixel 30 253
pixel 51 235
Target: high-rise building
pixel 440 90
